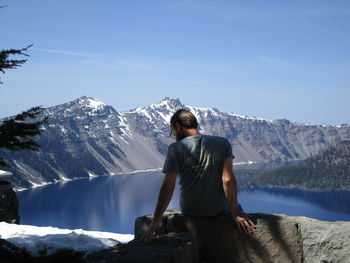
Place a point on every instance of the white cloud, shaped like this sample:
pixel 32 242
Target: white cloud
pixel 64 52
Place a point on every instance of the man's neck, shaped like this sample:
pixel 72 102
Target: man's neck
pixel 192 132
pixel 182 133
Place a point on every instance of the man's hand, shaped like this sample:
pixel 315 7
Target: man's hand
pixel 153 230
pixel 244 223
pixel 164 197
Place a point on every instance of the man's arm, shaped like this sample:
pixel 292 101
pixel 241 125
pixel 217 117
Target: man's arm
pixel 230 188
pixel 164 197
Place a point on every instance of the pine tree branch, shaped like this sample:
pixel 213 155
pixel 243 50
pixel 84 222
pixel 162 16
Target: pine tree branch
pixel 6 63
pixel 17 133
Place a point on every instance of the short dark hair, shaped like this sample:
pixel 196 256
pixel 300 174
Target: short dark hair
pixel 185 118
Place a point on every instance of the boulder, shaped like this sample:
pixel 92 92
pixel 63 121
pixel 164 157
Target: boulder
pixel 275 239
pixel 326 242
pixel 8 204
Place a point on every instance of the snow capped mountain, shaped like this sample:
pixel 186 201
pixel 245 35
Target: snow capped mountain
pixel 161 111
pixel 153 120
pixel 86 137
pixel 81 108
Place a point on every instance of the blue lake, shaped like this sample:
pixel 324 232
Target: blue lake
pixel 111 203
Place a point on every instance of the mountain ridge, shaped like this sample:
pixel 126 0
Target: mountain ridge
pixel 86 137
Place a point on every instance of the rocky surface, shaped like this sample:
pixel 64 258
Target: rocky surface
pixel 274 239
pixel 186 239
pixel 85 138
pixel 326 242
pixel 170 248
pixel 10 253
pixel 277 238
pixel 9 210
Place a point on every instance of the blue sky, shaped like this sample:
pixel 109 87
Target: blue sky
pixel 270 59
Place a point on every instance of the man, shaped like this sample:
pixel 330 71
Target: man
pixel 204 166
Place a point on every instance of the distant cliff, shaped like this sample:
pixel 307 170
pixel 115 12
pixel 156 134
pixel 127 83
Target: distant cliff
pixel 85 138
pixel 326 171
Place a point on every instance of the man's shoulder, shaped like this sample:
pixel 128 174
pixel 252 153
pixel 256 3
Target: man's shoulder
pixel 173 145
pixel 176 146
pixel 197 139
pixel 217 138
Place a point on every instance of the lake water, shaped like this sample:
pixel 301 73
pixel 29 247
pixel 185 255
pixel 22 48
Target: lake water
pixel 111 203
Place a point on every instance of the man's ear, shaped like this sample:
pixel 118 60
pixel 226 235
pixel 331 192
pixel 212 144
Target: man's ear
pixel 177 126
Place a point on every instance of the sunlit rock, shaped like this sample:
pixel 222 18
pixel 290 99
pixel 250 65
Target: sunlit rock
pixel 277 238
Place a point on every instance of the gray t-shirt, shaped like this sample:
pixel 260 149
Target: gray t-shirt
pixel 198 161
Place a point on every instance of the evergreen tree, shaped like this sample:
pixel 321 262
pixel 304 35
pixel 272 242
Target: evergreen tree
pixel 17 133
pixel 7 63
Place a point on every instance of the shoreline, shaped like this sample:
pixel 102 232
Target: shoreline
pixel 91 176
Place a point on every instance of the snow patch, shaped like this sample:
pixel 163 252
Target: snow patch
pixel 249 118
pixel 35 185
pixel 197 110
pixel 94 104
pixel 36 239
pixel 63 129
pixel 142 171
pixel 166 117
pixel 144 112
pixel 121 137
pixel 91 174
pixel 241 163
pixel 24 169
pixel 60 174
pixel 126 131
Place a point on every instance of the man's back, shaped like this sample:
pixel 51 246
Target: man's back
pixel 204 166
pixel 198 161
